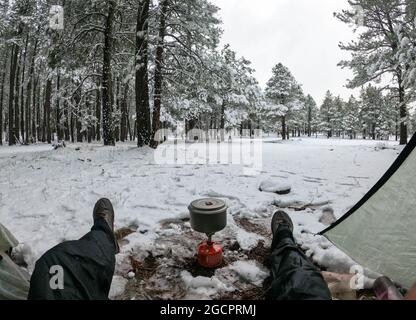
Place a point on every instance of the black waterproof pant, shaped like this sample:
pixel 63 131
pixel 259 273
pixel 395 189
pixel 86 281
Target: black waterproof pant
pixel 87 267
pixel 294 275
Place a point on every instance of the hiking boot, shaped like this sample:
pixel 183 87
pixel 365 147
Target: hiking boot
pixel 281 218
pixel 104 209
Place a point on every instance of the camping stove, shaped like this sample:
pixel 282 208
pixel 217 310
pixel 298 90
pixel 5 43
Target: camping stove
pixel 209 216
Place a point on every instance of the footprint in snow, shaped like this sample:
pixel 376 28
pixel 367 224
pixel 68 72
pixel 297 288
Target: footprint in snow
pixel 328 217
pixel 186 174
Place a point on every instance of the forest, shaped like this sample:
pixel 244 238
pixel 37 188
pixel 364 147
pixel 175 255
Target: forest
pixel 121 70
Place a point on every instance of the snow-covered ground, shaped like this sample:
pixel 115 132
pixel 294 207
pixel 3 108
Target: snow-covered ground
pixel 47 196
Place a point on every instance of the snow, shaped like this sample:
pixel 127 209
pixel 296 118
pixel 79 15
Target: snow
pixel 202 287
pixel 47 196
pixel 224 279
pixel 117 286
pixel 274 186
pixel 250 271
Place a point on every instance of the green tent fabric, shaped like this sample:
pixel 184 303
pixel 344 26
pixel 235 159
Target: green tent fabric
pixel 379 232
pixel 7 240
pixel 14 281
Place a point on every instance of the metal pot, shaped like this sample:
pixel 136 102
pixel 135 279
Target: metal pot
pixel 208 215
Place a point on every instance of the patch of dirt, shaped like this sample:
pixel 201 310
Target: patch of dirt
pixel 234 246
pixel 153 280
pixel 261 254
pixel 158 275
pixel 122 233
pixel 191 265
pixel 249 226
pixel 146 269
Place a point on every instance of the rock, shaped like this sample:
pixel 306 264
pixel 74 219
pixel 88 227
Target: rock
pixel 275 187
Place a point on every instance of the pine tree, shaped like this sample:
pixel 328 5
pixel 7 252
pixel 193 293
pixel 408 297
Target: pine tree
pixel 371 111
pixel 352 117
pixel 380 49
pixel 327 114
pixel 283 91
pixel 339 117
pixel 311 112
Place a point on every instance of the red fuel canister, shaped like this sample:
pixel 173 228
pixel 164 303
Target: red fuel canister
pixel 209 254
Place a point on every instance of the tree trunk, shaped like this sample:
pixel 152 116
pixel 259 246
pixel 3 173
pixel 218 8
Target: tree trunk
pixel 284 135
pixel 222 122
pixel 33 113
pixel 89 129
pixel 107 95
pixel 47 111
pixel 12 78
pixel 28 93
pixel 403 114
pixel 38 96
pixel 71 125
pixel 58 108
pixel 159 74
pixel 397 126
pixel 67 123
pixel 3 79
pixel 124 114
pixel 142 78
pixel 129 129
pixel 78 123
pixel 98 113
pixel 22 100
pixel 118 109
pixel 16 101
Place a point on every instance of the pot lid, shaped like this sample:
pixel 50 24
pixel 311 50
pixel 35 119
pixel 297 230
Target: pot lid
pixel 208 205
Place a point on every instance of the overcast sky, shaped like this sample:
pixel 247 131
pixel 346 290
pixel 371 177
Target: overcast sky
pixel 301 34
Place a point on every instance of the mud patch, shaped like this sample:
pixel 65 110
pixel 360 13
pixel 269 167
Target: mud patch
pixel 261 254
pixel 249 226
pixel 158 275
pixel 146 269
pixel 191 265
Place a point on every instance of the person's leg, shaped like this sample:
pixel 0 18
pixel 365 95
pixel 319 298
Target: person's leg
pixel 294 275
pixel 87 264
